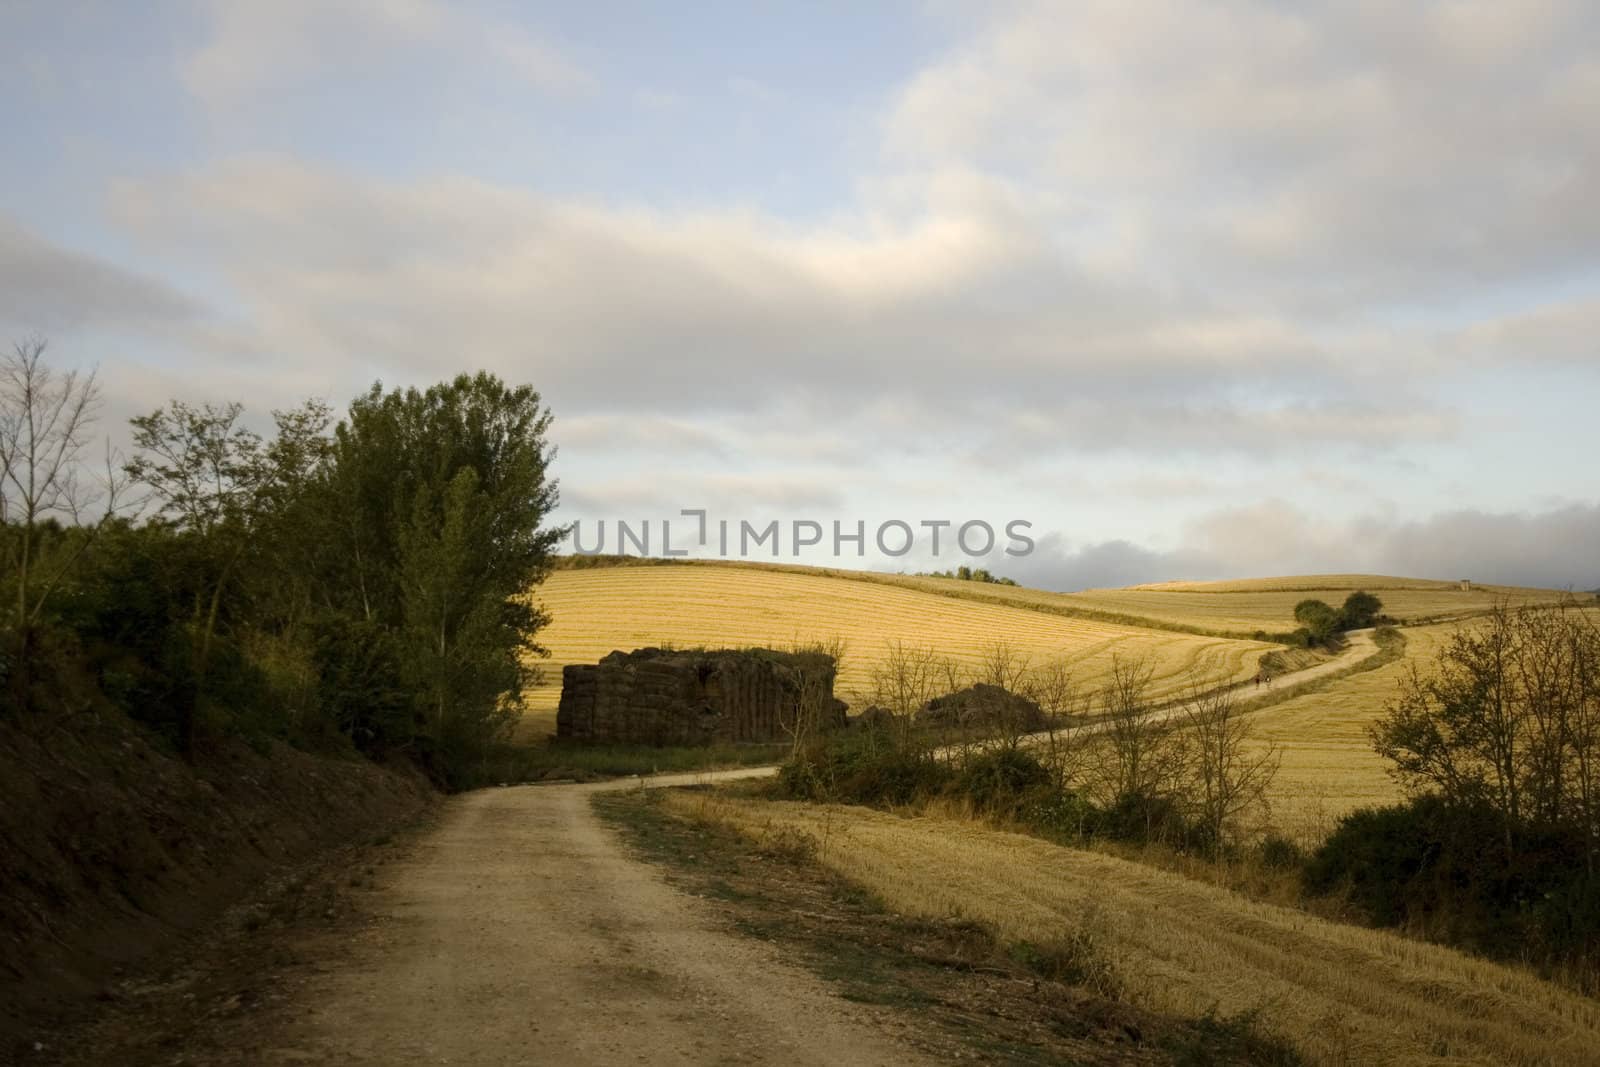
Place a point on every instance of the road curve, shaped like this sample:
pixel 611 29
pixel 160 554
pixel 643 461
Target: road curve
pixel 518 931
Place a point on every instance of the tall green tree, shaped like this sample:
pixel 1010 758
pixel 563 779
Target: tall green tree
pixel 435 529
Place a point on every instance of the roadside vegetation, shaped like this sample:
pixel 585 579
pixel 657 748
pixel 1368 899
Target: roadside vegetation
pixel 1066 760
pixel 356 582
pixel 1497 845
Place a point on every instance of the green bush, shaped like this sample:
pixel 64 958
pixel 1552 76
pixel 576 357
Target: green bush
pixel 997 782
pixel 1449 871
pixel 1144 817
pixel 864 767
pixel 1280 854
pixel 1057 813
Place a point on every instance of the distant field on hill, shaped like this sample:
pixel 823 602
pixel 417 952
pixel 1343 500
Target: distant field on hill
pixel 596 610
pixel 1236 609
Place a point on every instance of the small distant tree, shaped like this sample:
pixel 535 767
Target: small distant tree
pixel 1142 764
pixel 1320 621
pixel 1361 609
pixel 906 678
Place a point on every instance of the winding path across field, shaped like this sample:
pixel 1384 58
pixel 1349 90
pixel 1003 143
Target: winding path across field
pixel 518 931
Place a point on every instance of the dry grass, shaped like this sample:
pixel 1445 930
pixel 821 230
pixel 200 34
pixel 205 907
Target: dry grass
pixel 1339 994
pixel 597 610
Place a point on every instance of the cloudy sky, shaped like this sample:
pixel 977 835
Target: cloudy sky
pixel 1198 290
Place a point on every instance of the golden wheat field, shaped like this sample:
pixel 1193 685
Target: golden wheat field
pixel 1340 994
pixel 594 611
pixel 1237 608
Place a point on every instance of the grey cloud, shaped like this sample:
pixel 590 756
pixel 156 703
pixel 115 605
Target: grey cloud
pixel 1555 549
pixel 1107 564
pixel 48 288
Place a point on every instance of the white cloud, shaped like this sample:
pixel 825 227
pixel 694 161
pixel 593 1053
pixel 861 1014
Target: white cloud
pixel 1324 155
pixel 266 46
pixel 1552 549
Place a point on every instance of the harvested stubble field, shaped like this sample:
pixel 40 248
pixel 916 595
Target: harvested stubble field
pixel 1339 994
pixel 1238 608
pixel 599 609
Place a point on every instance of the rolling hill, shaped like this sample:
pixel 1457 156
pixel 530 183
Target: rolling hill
pixel 595 610
pixel 1328 765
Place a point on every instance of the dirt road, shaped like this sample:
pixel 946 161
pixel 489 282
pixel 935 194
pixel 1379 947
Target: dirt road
pixel 1360 646
pixel 518 931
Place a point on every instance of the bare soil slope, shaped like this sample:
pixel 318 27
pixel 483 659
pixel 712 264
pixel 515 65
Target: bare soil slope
pixel 112 850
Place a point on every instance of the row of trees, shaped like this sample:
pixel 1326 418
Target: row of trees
pixel 970 574
pixel 1071 758
pixel 365 576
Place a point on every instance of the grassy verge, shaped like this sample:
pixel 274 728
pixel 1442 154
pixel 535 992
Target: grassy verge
pixel 556 761
pixel 969 995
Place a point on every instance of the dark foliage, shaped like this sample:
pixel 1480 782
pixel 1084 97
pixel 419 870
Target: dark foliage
pixel 363 584
pixel 1424 865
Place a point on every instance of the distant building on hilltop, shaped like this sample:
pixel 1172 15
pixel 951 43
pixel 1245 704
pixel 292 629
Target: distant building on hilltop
pixel 1466 585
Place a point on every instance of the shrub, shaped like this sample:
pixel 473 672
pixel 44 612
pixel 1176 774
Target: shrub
pixel 1057 813
pixel 1137 816
pixel 1443 868
pixel 863 767
pixel 998 781
pixel 1280 854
